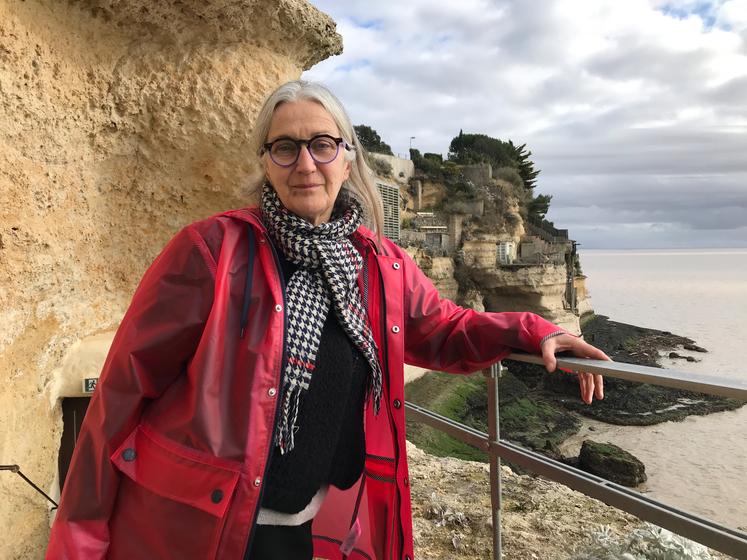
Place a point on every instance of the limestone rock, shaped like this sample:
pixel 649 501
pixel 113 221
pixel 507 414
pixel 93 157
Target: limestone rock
pixel 452 516
pixel 439 269
pixel 120 122
pixel 611 462
pixel 538 289
pixel 472 298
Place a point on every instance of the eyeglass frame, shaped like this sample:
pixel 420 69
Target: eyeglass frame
pixel 267 148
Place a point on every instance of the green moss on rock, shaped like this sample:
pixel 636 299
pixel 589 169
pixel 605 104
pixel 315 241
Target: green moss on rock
pixel 611 462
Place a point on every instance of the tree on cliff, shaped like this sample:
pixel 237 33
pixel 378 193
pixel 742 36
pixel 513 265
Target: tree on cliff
pixel 524 165
pixel 539 205
pixel 371 140
pixel 477 148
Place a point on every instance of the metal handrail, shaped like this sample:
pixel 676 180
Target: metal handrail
pixel 719 386
pixel 16 469
pixel 704 531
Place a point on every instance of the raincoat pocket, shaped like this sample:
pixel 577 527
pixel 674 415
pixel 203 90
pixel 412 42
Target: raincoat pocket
pixel 172 500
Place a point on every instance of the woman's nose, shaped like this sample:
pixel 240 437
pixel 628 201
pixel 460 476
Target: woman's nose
pixel 305 162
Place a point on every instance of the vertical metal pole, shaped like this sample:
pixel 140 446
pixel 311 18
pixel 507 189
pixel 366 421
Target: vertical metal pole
pixel 493 374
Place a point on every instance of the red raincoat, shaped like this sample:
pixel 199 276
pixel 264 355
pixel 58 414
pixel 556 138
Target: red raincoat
pixel 173 451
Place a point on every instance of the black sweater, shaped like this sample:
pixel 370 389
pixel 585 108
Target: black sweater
pixel 329 441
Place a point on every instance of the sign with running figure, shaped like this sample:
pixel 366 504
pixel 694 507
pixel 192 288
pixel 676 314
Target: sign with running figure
pixel 89 384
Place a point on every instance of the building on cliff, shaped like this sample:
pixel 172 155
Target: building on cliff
pixel 391 199
pixel 121 122
pixel 505 262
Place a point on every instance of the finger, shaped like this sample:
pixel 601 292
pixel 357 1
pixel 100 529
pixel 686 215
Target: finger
pixel 586 350
pixel 582 383
pixel 598 386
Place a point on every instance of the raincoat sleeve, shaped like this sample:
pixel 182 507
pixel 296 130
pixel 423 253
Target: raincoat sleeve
pixel 443 336
pixel 154 342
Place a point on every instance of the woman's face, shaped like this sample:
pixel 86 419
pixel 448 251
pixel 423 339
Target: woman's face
pixel 306 188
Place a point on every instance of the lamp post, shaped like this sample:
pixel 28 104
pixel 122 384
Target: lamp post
pixel 411 139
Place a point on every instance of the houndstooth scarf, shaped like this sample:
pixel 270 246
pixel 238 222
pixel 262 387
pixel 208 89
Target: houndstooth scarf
pixel 328 268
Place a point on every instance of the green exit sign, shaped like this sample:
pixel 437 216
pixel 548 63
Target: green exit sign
pixel 89 384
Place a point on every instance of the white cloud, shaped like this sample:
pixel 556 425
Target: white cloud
pixel 733 15
pixel 628 95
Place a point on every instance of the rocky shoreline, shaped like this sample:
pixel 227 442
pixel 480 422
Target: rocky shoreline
pixel 541 410
pixel 635 404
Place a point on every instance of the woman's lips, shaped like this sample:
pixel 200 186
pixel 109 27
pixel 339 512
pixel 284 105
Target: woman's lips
pixel 305 186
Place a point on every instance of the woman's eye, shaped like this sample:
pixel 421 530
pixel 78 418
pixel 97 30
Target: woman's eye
pixel 284 148
pixel 323 145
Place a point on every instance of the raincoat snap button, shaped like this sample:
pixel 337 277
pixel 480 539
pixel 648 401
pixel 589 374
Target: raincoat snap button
pixel 278 308
pixel 397 403
pixel 257 481
pixel 272 392
pixel 395 329
pixel 395 266
pixel 216 496
pixel 129 454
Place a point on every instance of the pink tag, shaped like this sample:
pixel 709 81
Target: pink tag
pixel 355 531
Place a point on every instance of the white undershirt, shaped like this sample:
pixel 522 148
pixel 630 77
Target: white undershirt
pixel 271 517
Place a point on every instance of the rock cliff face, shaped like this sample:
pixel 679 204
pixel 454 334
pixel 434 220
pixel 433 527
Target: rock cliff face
pixel 582 296
pixel 538 289
pixel 120 122
pixel 439 269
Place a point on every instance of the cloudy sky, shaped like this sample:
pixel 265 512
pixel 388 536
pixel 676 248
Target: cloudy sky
pixel 634 110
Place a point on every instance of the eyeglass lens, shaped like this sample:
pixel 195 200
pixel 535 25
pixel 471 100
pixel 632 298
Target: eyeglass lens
pixel 321 148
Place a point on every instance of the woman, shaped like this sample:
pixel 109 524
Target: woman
pixel 255 385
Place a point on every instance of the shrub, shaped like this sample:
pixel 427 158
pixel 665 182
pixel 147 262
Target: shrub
pixel 510 175
pixel 380 167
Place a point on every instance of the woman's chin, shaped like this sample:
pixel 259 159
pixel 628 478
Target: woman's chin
pixel 314 214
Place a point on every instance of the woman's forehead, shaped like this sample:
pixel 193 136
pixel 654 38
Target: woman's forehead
pixel 301 119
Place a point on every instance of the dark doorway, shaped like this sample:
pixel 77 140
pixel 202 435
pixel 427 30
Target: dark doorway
pixel 73 412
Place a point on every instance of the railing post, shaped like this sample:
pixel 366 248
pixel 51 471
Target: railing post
pixel 493 374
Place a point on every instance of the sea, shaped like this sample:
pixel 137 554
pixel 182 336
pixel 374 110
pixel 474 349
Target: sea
pixel 700 464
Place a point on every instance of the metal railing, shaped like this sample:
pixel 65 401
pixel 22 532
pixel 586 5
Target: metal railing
pixel 704 531
pixel 16 469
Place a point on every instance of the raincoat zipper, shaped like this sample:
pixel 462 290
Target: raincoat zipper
pixel 385 354
pixel 277 400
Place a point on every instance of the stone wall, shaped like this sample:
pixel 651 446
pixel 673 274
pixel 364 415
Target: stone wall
pixel 120 122
pixel 481 252
pixel 479 173
pixel 399 165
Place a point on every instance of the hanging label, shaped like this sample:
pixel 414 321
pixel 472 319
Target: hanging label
pixel 355 532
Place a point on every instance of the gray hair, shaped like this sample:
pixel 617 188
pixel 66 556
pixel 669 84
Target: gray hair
pixel 360 184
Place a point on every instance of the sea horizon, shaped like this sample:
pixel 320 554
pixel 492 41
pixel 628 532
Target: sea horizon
pixel 719 248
